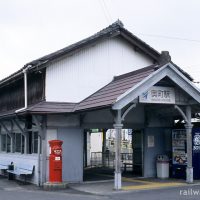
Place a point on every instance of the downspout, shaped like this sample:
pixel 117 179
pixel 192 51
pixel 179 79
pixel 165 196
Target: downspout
pixel 39 164
pixel 25 90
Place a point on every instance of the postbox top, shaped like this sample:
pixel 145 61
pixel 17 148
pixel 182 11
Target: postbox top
pixel 55 142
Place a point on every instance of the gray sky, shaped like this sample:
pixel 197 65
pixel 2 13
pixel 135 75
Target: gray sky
pixel 33 28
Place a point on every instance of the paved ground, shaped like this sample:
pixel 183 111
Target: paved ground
pixel 128 184
pixel 154 190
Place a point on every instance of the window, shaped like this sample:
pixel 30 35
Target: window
pixel 33 142
pixel 8 143
pixel 5 143
pixel 19 143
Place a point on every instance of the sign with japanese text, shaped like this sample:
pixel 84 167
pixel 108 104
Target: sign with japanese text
pixel 158 94
pixel 196 142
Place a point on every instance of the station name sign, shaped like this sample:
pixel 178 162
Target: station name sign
pixel 158 94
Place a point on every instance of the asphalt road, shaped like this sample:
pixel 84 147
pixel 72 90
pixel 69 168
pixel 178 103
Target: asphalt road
pixel 176 193
pixel 23 193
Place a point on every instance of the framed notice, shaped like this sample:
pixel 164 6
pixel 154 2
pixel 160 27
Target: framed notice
pixel 150 141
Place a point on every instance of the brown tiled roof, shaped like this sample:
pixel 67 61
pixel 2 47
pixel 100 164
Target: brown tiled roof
pixel 43 107
pixel 107 95
pixel 51 107
pixel 104 97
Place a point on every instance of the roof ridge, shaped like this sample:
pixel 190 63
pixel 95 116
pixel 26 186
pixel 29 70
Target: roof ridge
pixel 113 27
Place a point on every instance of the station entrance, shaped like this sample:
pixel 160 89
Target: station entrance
pixel 99 154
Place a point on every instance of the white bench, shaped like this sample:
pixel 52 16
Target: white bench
pixel 22 169
pixel 4 164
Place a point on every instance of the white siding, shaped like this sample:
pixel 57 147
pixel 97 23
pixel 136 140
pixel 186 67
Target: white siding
pixel 72 163
pixel 75 77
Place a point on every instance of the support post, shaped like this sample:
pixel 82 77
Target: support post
pixel 118 127
pixel 104 148
pixel 188 127
pixel 40 137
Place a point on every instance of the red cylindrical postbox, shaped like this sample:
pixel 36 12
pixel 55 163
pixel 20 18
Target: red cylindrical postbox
pixel 55 161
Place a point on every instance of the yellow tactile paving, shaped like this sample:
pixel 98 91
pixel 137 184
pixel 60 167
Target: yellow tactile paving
pixel 152 185
pixel 146 184
pixel 135 180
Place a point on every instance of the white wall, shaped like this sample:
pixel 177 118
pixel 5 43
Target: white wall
pixel 75 77
pixel 72 153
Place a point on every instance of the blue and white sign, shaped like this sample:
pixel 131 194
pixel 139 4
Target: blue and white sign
pixel 158 94
pixel 196 142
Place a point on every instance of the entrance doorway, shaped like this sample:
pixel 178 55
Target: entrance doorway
pixel 137 142
pixel 99 153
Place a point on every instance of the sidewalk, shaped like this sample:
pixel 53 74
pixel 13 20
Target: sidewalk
pixel 101 187
pixel 128 184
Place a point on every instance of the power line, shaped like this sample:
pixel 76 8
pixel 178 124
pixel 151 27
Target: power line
pixel 170 37
pixel 108 11
pixel 105 11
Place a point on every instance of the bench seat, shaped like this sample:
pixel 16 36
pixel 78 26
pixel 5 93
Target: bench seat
pixel 4 164
pixel 22 169
pixel 20 172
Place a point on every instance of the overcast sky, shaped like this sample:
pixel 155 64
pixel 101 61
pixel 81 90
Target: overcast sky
pixel 33 28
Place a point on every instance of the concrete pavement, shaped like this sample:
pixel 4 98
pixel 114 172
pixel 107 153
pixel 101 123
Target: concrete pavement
pixel 104 188
pixel 128 184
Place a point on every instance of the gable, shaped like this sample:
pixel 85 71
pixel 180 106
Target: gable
pixel 83 73
pixel 167 70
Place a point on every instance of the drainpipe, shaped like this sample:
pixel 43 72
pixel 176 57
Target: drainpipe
pixel 25 90
pixel 39 165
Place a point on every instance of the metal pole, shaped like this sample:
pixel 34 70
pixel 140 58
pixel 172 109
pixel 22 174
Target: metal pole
pixel 118 126
pixel 188 127
pixel 39 164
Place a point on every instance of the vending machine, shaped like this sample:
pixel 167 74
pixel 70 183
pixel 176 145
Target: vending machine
pixel 179 153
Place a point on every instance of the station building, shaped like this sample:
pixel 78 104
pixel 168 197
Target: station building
pixel 110 80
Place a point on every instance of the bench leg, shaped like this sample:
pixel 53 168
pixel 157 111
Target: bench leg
pixel 25 179
pixel 125 168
